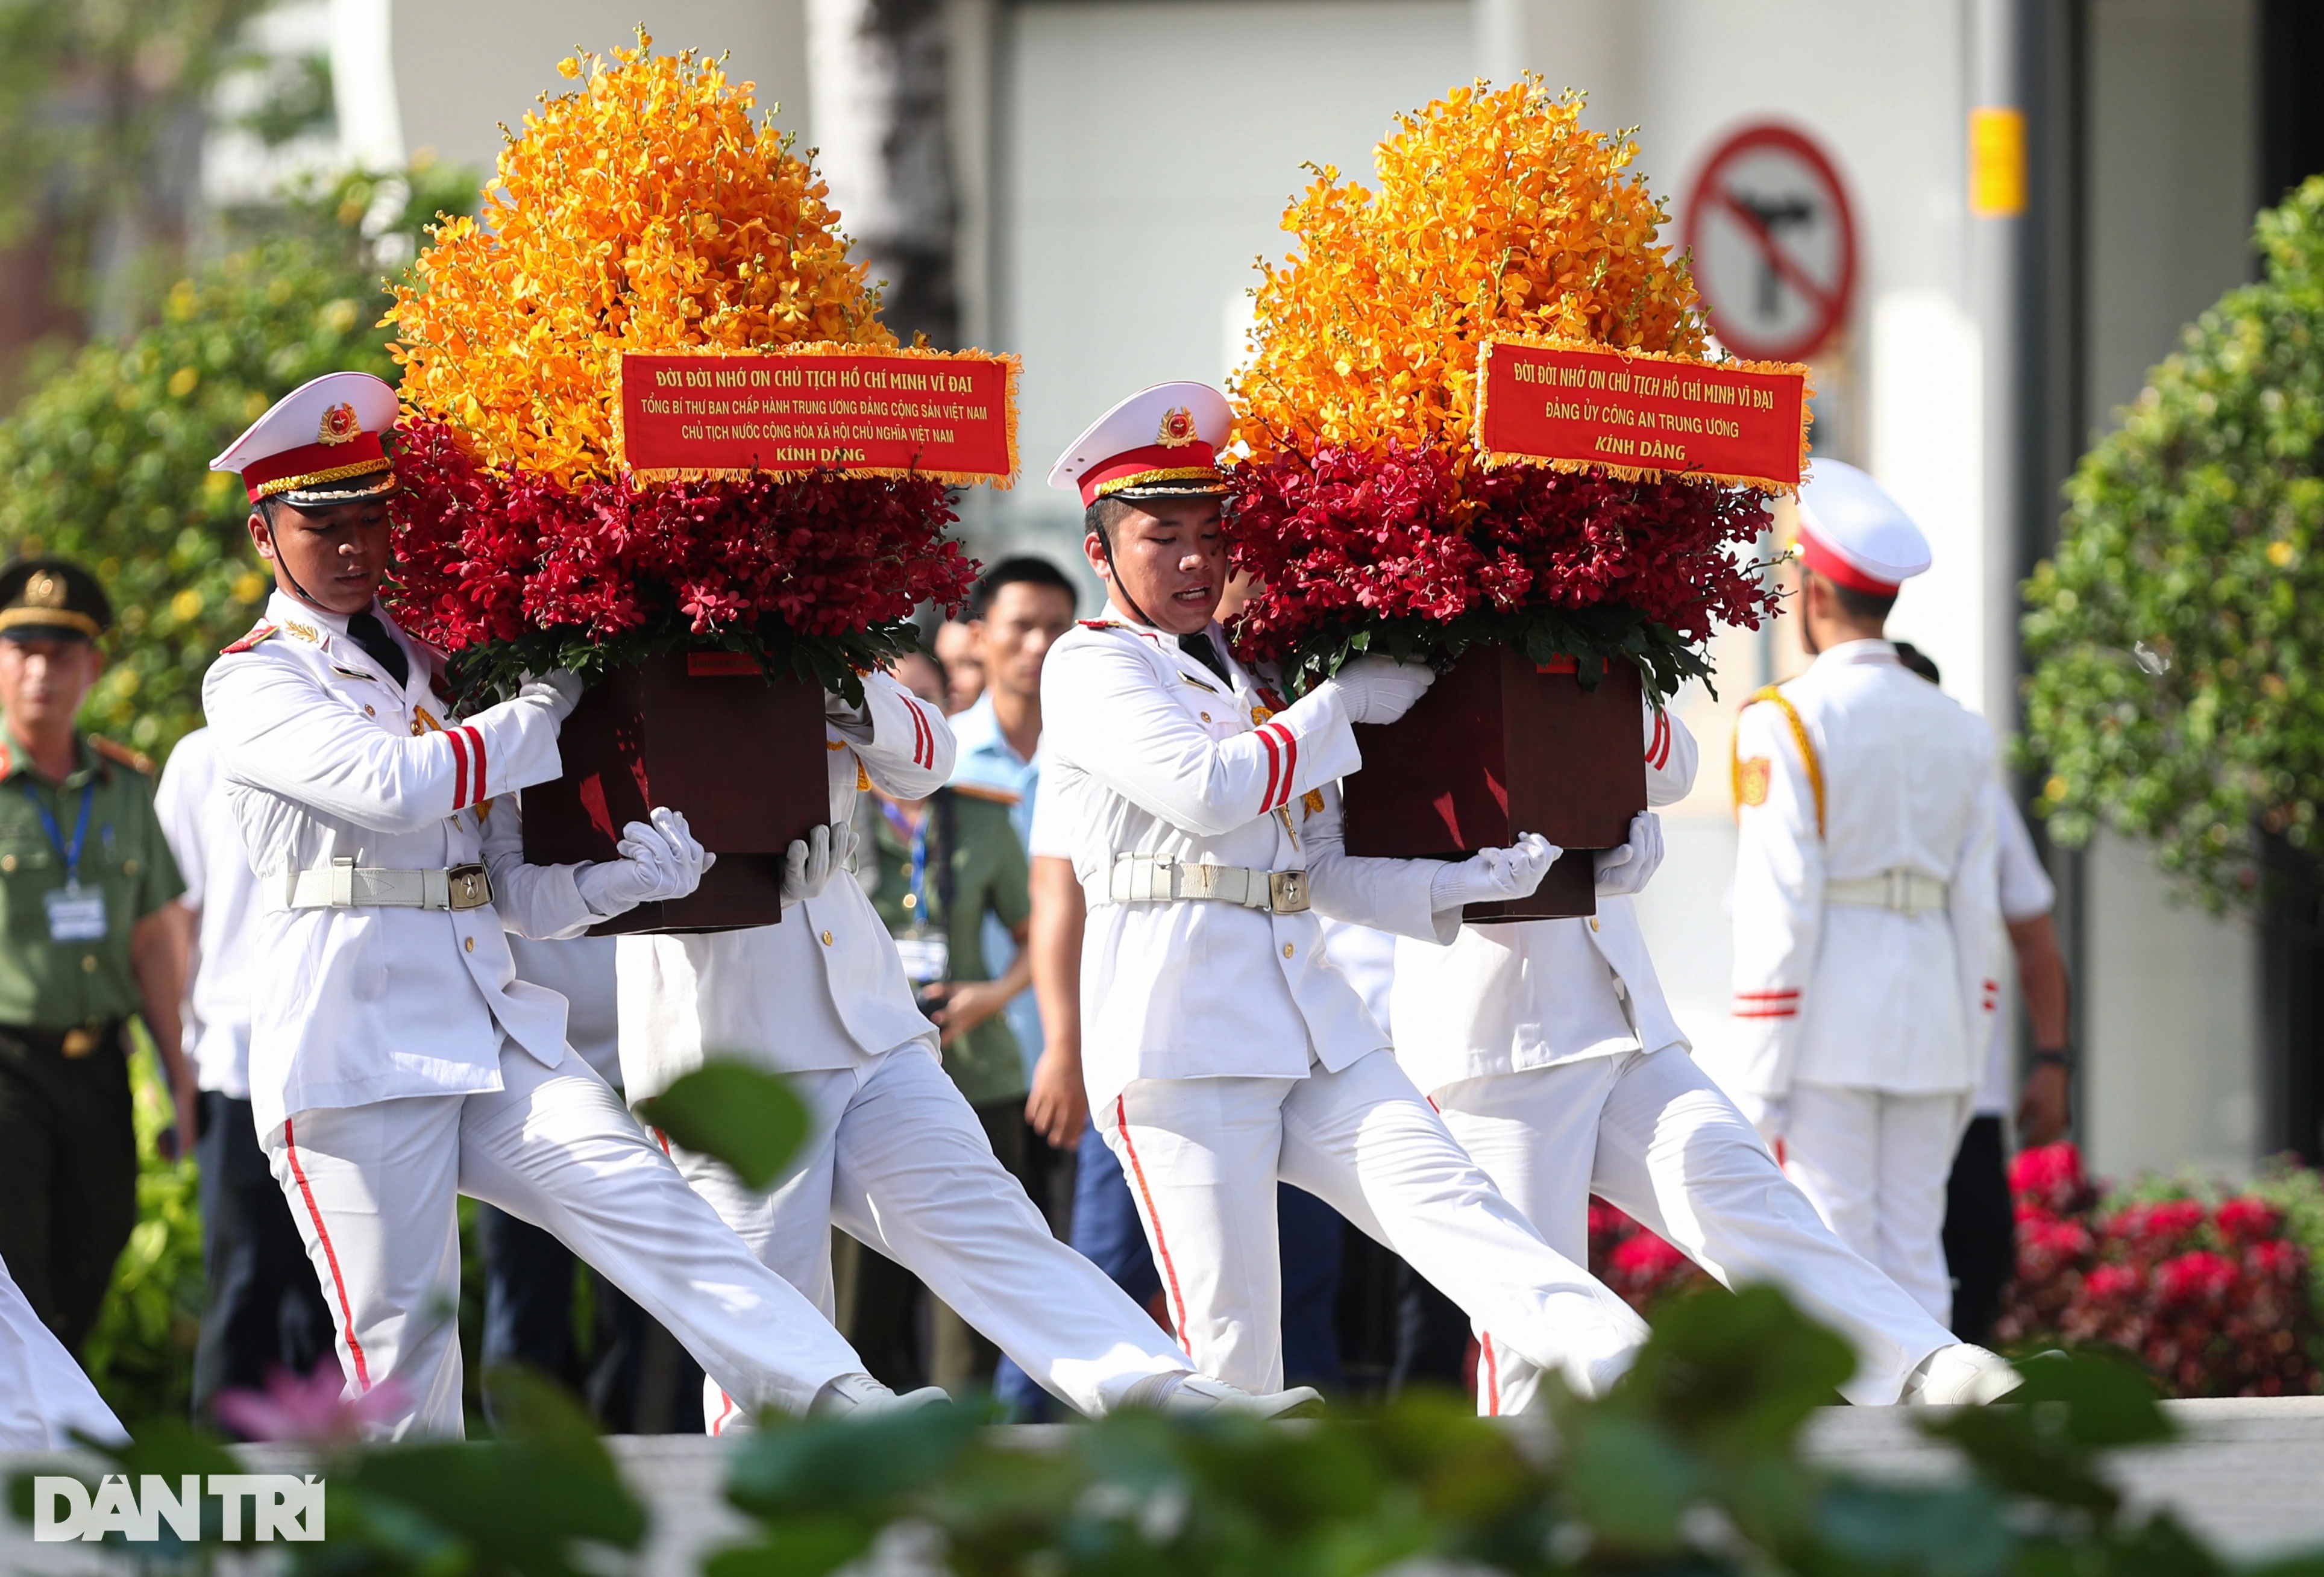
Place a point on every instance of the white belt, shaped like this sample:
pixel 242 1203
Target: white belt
pixel 1164 879
pixel 1907 892
pixel 345 885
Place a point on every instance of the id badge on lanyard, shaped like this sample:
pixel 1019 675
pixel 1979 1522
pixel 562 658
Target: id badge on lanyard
pixel 925 948
pixel 76 913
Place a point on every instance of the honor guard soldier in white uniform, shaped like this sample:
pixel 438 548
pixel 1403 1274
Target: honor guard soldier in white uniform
pixel 395 1060
pixel 1221 1050
pixel 898 1160
pixel 1556 1063
pixel 1865 914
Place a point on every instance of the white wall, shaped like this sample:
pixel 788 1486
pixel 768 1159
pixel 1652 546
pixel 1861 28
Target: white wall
pixel 465 68
pixel 1148 152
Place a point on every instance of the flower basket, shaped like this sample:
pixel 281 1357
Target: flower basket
pixel 1600 522
pixel 654 267
pixel 743 755
pixel 1498 747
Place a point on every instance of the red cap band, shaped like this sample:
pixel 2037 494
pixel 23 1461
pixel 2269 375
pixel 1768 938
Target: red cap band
pixel 312 465
pixel 1154 463
pixel 1820 556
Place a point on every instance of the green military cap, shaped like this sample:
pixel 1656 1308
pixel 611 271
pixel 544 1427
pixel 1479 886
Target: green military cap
pixel 51 599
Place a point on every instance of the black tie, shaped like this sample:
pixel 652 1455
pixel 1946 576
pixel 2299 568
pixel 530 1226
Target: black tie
pixel 1198 647
pixel 380 646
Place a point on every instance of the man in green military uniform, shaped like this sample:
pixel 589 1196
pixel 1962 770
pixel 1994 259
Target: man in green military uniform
pixel 88 937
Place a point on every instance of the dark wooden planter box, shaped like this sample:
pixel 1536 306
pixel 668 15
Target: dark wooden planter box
pixel 1498 748
pixel 706 733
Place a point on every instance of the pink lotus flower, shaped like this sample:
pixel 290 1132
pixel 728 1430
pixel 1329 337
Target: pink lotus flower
pixel 312 1410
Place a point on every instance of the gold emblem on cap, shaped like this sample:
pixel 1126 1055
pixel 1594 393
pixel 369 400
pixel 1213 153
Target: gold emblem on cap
pixel 340 425
pixel 46 589
pixel 1177 427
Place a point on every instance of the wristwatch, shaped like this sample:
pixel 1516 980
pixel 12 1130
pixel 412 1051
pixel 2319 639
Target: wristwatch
pixel 2056 1056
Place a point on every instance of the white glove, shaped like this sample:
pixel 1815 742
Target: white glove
pixel 1626 870
pixel 1494 875
pixel 813 860
pixel 1380 690
pixel 558 690
pixel 661 859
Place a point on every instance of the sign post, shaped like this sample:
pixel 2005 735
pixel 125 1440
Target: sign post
pixel 1774 243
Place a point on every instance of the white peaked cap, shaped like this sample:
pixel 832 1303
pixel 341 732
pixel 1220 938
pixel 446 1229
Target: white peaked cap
pixel 1852 532
pixel 324 436
pixel 1161 441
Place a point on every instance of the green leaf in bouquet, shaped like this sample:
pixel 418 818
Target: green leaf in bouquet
pixel 734 1112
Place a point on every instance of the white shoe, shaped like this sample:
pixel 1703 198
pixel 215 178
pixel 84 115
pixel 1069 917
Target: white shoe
pixel 1964 1375
pixel 860 1396
pixel 1189 1396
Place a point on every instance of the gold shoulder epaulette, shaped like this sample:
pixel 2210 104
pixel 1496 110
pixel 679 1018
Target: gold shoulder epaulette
pixel 1774 696
pixel 259 633
pixel 136 761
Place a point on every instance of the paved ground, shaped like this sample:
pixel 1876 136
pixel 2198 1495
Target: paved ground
pixel 2249 1475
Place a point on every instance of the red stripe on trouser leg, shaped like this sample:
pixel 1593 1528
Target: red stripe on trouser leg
pixel 459 767
pixel 725 1411
pixel 1492 1380
pixel 662 1139
pixel 478 740
pixel 330 1255
pixel 1154 1216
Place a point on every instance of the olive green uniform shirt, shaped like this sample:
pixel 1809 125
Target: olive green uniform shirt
pixel 47 984
pixel 985 871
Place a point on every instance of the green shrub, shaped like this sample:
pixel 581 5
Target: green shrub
pixel 2178 685
pixel 107 461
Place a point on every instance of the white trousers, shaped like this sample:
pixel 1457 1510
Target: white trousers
pixel 373 1189
pixel 44 1395
pixel 1202 1156
pixel 897 1161
pixel 1874 1166
pixel 1651 1135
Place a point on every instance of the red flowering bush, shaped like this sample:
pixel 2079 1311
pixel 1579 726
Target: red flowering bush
pixel 1634 1262
pixel 810 573
pixel 2213 1297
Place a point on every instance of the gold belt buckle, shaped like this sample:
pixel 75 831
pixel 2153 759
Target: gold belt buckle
pixel 1286 891
pixel 467 888
pixel 79 1042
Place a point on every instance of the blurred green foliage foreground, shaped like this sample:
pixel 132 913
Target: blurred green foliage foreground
pixel 1690 1466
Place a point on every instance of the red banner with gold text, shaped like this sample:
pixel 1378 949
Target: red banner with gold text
pixel 875 413
pixel 1573 405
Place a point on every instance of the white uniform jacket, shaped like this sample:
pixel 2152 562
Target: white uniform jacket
pixel 1530 994
pixel 325 757
pixel 1856 768
pixel 825 988
pixel 1148 751
pixel 207 842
